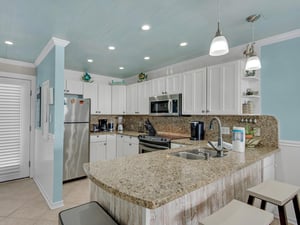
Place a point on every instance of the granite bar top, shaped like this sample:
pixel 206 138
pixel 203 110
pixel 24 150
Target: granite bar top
pixel 154 179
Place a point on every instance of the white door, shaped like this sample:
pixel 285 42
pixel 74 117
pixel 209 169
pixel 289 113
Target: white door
pixel 14 129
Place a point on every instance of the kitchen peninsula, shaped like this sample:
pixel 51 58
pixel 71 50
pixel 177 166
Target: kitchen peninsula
pixel 158 188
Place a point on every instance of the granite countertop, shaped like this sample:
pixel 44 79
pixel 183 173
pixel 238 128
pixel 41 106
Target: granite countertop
pixel 154 179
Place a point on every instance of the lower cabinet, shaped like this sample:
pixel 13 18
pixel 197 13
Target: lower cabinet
pixel 127 145
pixel 103 147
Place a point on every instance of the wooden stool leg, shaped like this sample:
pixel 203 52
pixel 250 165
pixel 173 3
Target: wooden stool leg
pixel 282 215
pixel 250 200
pixel 296 208
pixel 263 204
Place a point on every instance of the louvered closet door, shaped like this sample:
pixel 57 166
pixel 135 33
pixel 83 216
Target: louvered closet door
pixel 14 128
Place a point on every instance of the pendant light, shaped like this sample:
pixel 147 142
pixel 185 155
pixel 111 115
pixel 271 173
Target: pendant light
pixel 219 45
pixel 253 61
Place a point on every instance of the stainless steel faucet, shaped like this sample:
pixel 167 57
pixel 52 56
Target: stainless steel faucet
pixel 219 147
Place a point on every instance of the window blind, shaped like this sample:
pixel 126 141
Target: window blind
pixel 10 129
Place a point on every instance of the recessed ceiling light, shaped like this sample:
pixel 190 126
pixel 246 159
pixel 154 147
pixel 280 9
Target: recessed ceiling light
pixel 182 44
pixel 146 27
pixel 147 57
pixel 90 60
pixel 9 42
pixel 121 68
pixel 111 47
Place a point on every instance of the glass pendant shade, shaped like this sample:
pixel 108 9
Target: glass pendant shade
pixel 219 45
pixel 253 63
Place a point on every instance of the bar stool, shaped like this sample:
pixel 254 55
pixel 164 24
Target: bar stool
pixel 237 213
pixel 278 194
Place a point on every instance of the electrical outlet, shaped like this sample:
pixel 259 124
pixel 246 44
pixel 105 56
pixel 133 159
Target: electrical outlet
pixel 225 130
pixel 256 131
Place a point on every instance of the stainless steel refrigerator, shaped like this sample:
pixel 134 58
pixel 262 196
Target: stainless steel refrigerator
pixel 76 136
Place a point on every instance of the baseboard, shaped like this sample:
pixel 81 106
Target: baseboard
pixel 51 205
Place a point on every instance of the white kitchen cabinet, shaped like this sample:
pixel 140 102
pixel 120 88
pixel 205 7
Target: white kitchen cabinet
pixel 166 85
pixel 194 92
pixel 131 99
pixel 73 87
pixel 137 99
pixel 223 88
pixel 103 147
pixel 118 99
pixel 212 90
pixel 111 147
pixel 143 94
pixel 97 148
pixel 100 95
pixel 127 145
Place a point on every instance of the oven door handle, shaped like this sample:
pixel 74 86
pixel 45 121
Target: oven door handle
pixel 154 146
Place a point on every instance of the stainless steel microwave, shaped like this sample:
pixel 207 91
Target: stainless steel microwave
pixel 165 105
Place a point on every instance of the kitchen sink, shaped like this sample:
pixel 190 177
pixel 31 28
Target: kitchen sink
pixel 196 154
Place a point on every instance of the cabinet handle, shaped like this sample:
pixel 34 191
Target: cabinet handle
pixel 130 144
pixel 136 112
pixel 203 111
pixel 105 143
pixel 207 111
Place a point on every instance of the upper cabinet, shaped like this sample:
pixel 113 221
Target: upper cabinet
pixel 100 95
pixel 166 85
pixel 137 100
pixel 118 99
pixel 73 87
pixel 194 92
pixel 212 90
pixel 223 85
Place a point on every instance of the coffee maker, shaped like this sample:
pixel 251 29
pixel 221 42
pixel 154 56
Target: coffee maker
pixel 102 124
pixel 197 130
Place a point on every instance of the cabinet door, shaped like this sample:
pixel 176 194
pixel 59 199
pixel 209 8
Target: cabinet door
pixel 120 146
pixel 174 84
pixel 223 84
pixel 131 99
pixel 118 100
pixel 111 147
pixel 104 98
pixel 158 86
pixel 97 151
pixel 90 91
pixel 73 87
pixel 143 95
pixel 194 92
pixel 131 149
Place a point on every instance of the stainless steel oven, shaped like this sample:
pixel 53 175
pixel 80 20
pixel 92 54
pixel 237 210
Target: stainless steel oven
pixel 167 105
pixel 153 143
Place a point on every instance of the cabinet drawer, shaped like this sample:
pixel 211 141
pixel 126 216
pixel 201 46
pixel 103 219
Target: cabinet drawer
pixel 97 138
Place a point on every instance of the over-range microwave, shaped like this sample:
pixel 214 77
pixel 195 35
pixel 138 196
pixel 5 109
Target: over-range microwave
pixel 165 105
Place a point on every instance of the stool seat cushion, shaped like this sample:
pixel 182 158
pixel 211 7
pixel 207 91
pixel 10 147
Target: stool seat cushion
pixel 239 213
pixel 274 192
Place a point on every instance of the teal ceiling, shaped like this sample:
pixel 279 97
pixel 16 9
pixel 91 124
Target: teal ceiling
pixel 92 25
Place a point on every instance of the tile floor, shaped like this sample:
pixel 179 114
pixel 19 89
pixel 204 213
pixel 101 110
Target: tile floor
pixel 22 204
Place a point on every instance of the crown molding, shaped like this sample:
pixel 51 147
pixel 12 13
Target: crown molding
pixel 17 63
pixel 278 38
pixel 52 42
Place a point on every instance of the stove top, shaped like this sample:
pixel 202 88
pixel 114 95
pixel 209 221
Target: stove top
pixel 155 139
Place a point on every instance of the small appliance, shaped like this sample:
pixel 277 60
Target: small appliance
pixel 110 126
pixel 197 130
pixel 103 124
pixel 120 124
pixel 165 105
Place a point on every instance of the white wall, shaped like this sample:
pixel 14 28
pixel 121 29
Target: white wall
pixel 287 169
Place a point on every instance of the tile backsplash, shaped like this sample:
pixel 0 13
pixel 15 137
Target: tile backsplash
pixel 268 125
